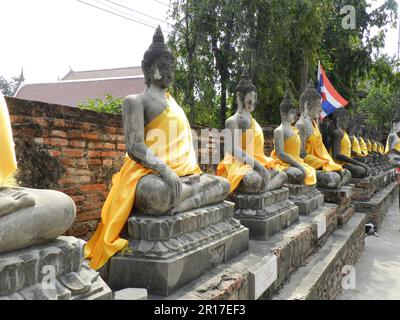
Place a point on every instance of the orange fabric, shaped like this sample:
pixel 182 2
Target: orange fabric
pixel 252 143
pixel 363 146
pixel 355 147
pixel 292 147
pixel 169 137
pixel 317 155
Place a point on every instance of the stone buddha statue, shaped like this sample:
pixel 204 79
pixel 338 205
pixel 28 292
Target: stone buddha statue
pixel 28 217
pixel 288 147
pixel 329 174
pixel 356 151
pixel 160 175
pixel 359 134
pixel 341 145
pixel 245 165
pixel 393 143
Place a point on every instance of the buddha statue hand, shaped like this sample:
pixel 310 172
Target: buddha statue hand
pixel 264 174
pixel 175 184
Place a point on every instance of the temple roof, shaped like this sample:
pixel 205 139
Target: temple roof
pixel 103 73
pixel 72 93
pixel 78 86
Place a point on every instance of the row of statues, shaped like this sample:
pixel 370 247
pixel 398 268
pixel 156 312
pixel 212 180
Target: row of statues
pixel 165 179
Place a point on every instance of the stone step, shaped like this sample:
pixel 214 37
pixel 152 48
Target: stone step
pixel 307 198
pixel 322 277
pixel 267 264
pixel 377 207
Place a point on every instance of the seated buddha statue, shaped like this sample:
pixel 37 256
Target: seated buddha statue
pixel 359 134
pixel 329 174
pixel 341 145
pixel 288 146
pixel 245 165
pixel 393 143
pixel 356 152
pixel 28 217
pixel 160 175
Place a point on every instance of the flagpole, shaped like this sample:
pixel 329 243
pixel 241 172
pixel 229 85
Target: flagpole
pixel 318 79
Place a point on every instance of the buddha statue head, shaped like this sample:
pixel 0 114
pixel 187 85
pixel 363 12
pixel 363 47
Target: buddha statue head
pixel 246 94
pixel 341 118
pixel 158 62
pixel 287 109
pixel 396 125
pixel 310 102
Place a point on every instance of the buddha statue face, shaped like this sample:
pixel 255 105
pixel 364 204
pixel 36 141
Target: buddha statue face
pixel 341 118
pixel 246 94
pixel 310 102
pixel 396 126
pixel 247 102
pixel 162 74
pixel 288 110
pixel 314 109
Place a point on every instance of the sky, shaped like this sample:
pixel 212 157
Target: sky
pixel 47 37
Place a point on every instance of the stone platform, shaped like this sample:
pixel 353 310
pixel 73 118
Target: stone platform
pixel 54 271
pixel 377 207
pixel 343 198
pixel 307 198
pixel 364 189
pixel 259 272
pixel 265 214
pixel 321 278
pixel 168 252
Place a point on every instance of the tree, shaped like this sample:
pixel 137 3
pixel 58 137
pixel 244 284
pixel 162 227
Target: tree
pixel 9 87
pixel 279 41
pixel 109 105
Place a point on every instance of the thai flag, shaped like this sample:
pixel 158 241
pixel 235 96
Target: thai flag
pixel 331 99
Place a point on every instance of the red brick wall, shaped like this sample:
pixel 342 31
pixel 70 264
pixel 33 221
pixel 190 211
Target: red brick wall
pixel 77 152
pixel 88 145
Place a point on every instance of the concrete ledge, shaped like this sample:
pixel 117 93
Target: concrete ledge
pixel 322 277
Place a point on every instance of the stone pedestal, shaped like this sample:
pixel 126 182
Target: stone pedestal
pixel 307 198
pixel 265 214
pixel 343 198
pixel 366 188
pixel 377 207
pixel 54 271
pixel 168 252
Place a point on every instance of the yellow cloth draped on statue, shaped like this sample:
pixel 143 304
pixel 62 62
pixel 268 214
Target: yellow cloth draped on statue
pixel 369 145
pixel 292 147
pixel 396 147
pixel 381 149
pixel 252 142
pixel 363 146
pixel 317 155
pixel 8 162
pixel 169 137
pixel 374 147
pixel 345 147
pixel 355 147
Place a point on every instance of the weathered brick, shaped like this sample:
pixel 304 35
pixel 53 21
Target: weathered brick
pixel 121 147
pixel 94 154
pixel 77 143
pixel 75 153
pixel 58 142
pixel 109 154
pixel 58 134
pixel 108 163
pixel 93 187
pixel 55 153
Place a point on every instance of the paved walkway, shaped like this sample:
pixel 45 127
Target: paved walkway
pixel 378 271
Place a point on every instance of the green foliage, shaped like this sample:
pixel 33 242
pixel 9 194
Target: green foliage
pixel 9 87
pixel 278 41
pixel 382 95
pixel 109 105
